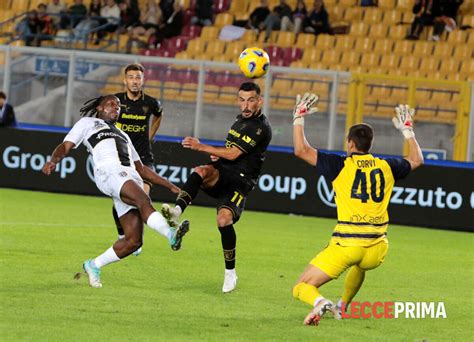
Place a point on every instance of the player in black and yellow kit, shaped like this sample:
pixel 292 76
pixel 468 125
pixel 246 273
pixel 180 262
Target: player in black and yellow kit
pixel 363 186
pixel 140 117
pixel 232 174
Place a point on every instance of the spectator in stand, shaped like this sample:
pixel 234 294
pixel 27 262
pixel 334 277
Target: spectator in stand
pixel 28 28
pixel 7 114
pixel 46 26
pixel 75 14
pixel 299 16
pixel 258 16
pixel 150 21
pixel 204 13
pixel 82 30
pixel 318 19
pixel 447 19
pixel 167 8
pixel 425 11
pixel 110 14
pixel 274 19
pixel 56 9
pixel 171 27
pixel 129 15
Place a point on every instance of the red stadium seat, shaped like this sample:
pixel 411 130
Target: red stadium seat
pixel 188 76
pixel 191 31
pixel 221 5
pixel 291 54
pixel 274 52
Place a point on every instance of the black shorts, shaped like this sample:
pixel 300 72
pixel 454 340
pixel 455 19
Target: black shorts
pixel 231 191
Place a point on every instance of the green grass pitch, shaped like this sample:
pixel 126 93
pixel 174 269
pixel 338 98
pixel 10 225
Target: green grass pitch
pixel 176 296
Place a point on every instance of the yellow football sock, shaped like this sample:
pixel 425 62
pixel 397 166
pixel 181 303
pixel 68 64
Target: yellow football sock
pixel 352 283
pixel 306 293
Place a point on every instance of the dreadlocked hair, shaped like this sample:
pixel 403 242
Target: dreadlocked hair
pixel 90 107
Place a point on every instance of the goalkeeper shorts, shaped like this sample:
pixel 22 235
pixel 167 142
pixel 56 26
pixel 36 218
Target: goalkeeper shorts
pixel 335 259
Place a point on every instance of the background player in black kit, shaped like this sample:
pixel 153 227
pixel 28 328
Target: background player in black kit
pixel 233 173
pixel 140 118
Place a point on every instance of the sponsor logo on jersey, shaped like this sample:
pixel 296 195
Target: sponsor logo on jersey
pixel 133 116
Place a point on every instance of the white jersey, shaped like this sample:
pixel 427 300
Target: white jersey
pixel 105 142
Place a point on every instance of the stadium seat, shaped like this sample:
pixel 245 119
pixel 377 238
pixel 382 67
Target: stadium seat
pixel 373 15
pixel 324 41
pixel 467 67
pixel 188 75
pixel 286 39
pixel 423 48
pixel 457 37
pixel 383 46
pixel 299 64
pixel 215 48
pixel 311 55
pixel 188 92
pixel 211 93
pixel 467 20
pixel 363 44
pixel 379 31
pixel 344 43
pixel 470 38
pixel 196 46
pixel 403 47
pixel 171 90
pixel 239 6
pixel 350 58
pixel 210 33
pixel 330 57
pixel 234 48
pixel 274 52
pixel 221 6
pixel 223 19
pixel 291 54
pixel 281 86
pixel 353 14
pixel 336 13
pixel 249 36
pixel 443 50
pixel 305 40
pixel 369 60
pixel 191 31
pixel 463 51
pixel 387 4
pixel 348 3
pixel 228 94
pixel 397 31
pixel 272 40
pixel 359 29
pixel 429 64
pixel 405 5
pixel 409 63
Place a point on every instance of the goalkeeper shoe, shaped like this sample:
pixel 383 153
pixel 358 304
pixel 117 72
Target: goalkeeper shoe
pixel 171 215
pixel 337 312
pixel 93 273
pixel 177 237
pixel 318 312
pixel 137 252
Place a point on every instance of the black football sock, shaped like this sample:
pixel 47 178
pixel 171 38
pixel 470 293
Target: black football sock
pixel 117 222
pixel 189 191
pixel 229 241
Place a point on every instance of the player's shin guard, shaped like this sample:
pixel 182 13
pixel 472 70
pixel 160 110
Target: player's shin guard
pixel 117 222
pixel 229 241
pixel 189 191
pixel 306 293
pixel 352 283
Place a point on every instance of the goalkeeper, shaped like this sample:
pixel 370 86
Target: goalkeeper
pixel 363 185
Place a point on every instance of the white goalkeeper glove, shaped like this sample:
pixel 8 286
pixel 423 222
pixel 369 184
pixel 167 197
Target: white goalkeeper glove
pixel 303 107
pixel 403 121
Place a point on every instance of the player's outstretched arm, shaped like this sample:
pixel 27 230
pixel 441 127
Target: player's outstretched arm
pixel 302 148
pixel 403 121
pixel 155 124
pixel 194 144
pixel 61 151
pixel 148 174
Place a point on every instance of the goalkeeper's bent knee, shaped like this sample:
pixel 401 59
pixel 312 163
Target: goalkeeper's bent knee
pixel 306 293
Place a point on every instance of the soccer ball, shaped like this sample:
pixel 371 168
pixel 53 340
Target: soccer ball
pixel 254 62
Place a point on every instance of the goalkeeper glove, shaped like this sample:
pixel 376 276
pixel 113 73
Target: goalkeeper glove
pixel 303 107
pixel 403 121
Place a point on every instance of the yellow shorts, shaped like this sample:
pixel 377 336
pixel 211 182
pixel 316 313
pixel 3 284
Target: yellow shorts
pixel 335 259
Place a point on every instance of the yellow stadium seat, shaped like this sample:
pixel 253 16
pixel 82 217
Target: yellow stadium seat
pixel 359 29
pixel 235 48
pixel 311 55
pixel 386 4
pixel 286 39
pixel 228 94
pixel 392 17
pixel 449 66
pixel 239 6
pixel 209 33
pixel 305 40
pixel 467 20
pixel 281 85
pixel 443 50
pixel 373 15
pixel 364 44
pixel 336 13
pixel 301 87
pixel 215 47
pixel 423 48
pixel 457 37
pixel 399 94
pixel 378 30
pixel 211 93
pixel 350 58
pixel 429 64
pixel 409 63
pixel 405 5
pixel 383 46
pixel 184 55
pixel 470 39
pixel 272 40
pixel 369 60
pixel 467 67
pixel 19 6
pixel 344 43
pixel 196 46
pixel 324 41
pixel 353 14
pixel 348 3
pixel 171 90
pixel 188 92
pixel 403 47
pixel 397 31
pixel 463 51
pixel 249 36
pixel 223 19
pixel 299 64
pixel 330 57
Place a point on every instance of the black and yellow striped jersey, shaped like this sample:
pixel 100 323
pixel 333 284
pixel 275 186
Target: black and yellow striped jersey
pixel 363 186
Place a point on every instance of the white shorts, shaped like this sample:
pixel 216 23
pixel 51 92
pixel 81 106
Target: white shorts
pixel 110 179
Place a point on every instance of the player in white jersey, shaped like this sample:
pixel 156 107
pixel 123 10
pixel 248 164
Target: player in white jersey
pixel 118 173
